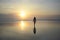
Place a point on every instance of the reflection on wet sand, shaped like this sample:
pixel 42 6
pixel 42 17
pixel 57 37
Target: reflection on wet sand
pixel 23 30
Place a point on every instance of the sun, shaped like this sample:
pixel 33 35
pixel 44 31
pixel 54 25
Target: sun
pixel 22 14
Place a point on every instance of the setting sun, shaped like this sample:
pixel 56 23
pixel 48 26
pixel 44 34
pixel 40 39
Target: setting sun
pixel 22 14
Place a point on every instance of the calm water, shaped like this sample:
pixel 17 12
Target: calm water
pixel 23 30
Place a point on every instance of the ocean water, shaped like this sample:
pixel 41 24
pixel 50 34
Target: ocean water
pixel 23 30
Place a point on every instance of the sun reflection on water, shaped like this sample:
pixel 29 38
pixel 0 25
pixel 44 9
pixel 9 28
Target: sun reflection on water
pixel 22 25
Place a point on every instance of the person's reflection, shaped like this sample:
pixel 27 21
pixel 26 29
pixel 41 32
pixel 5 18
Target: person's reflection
pixel 34 20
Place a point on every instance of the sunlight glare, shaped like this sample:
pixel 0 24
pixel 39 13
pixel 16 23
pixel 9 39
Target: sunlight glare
pixel 22 14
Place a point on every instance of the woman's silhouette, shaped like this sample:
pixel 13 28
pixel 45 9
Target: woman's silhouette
pixel 34 20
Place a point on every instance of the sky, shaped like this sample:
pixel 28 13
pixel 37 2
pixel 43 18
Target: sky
pixel 38 8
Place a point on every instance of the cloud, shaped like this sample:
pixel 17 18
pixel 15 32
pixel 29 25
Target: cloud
pixel 4 18
pixel 10 1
